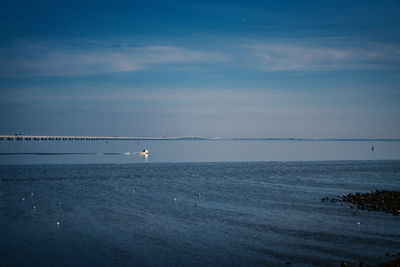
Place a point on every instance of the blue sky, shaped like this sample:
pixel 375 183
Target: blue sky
pixel 318 69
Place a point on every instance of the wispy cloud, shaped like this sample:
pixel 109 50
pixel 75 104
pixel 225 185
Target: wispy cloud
pixel 42 59
pixel 27 58
pixel 321 55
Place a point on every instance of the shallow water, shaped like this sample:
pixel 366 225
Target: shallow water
pixel 247 213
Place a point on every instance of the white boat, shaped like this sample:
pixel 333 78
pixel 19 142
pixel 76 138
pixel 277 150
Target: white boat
pixel 143 153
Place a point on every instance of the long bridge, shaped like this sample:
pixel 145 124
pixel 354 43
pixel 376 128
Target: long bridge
pixel 18 137
pixel 23 137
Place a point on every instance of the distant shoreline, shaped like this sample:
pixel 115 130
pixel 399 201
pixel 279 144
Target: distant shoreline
pixel 318 139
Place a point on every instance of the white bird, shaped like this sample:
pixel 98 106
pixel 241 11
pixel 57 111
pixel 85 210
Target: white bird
pixel 175 199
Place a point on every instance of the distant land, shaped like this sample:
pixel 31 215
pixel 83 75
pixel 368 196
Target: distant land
pixel 319 139
pixel 23 137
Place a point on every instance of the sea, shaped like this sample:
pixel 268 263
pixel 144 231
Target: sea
pixel 195 203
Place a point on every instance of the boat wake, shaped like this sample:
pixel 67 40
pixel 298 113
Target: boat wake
pixel 66 153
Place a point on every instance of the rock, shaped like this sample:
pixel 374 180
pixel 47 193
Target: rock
pixel 384 201
pixel 391 263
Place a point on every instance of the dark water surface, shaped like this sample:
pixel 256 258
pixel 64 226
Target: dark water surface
pixel 247 214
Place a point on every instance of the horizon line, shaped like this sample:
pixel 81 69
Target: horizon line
pixel 23 137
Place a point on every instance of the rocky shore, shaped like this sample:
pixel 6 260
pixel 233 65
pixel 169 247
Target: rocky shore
pixel 383 201
pixel 380 200
pixel 389 261
pixel 392 263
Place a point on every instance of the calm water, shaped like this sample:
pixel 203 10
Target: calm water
pixel 247 214
pixel 259 203
pixel 194 151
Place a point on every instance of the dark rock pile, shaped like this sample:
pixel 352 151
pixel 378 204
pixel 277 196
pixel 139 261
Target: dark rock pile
pixel 395 262
pixel 389 261
pixel 384 201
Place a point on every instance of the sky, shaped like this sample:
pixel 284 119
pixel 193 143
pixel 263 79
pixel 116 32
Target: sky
pixel 302 69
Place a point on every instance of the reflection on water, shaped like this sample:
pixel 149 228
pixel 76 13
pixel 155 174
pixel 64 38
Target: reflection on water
pixel 41 152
